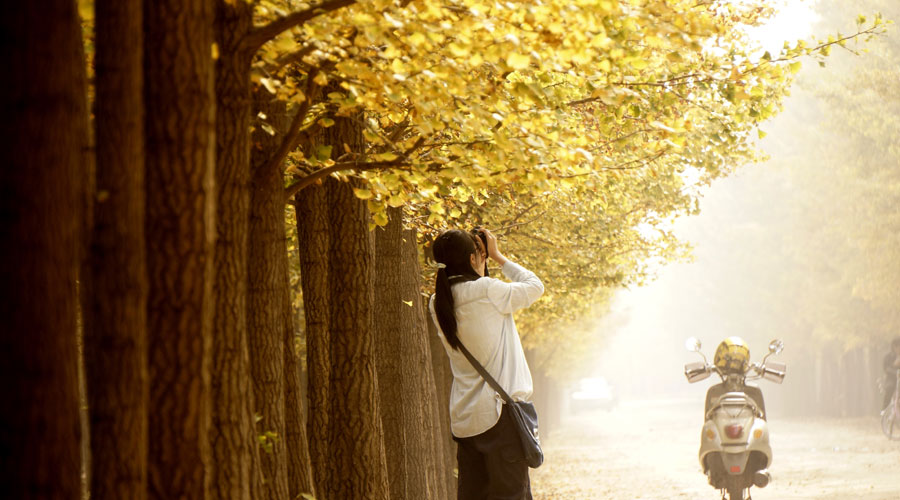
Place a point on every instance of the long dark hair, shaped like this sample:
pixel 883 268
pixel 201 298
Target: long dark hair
pixel 452 251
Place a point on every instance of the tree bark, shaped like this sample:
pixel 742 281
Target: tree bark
pixel 426 450
pixel 300 478
pixel 44 138
pixel 443 379
pixel 313 228
pixel 355 441
pixel 180 232
pixel 268 243
pixel 233 437
pixel 115 337
pixel 394 401
pixel 265 303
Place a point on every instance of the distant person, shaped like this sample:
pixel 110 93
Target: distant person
pixel 476 310
pixel 891 365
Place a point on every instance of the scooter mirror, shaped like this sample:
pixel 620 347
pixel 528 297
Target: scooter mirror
pixel 695 372
pixel 692 344
pixel 774 371
pixel 776 346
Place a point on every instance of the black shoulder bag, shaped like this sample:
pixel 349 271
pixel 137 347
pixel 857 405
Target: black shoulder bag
pixel 523 413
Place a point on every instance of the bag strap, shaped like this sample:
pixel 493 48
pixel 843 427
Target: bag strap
pixel 485 375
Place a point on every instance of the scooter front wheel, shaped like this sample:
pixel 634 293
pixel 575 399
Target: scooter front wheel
pixel 889 424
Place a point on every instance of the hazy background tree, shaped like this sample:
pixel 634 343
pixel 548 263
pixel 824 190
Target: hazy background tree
pixel 799 247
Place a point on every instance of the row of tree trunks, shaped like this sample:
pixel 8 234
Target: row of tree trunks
pixel 233 439
pixel 114 313
pixel 44 138
pixel 838 382
pixel 180 232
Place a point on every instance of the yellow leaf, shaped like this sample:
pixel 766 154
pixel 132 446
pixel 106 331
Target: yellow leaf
pixel 285 44
pixel 362 194
pixel 269 84
pixel 417 39
pixel 518 61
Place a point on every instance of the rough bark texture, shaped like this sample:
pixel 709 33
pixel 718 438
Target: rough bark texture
pixel 300 478
pixel 394 402
pixel 268 228
pixel 233 437
pixel 115 342
pixel 443 378
pixel 428 475
pixel 180 233
pixel 264 311
pixel 42 108
pixel 355 442
pixel 313 247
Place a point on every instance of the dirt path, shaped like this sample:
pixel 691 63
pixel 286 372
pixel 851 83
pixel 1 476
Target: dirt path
pixel 648 450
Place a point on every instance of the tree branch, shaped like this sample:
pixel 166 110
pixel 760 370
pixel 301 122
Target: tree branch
pixel 292 137
pixel 262 34
pixel 356 166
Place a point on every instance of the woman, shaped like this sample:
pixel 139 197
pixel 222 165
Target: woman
pixel 476 311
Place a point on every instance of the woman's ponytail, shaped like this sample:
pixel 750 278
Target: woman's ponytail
pixel 444 308
pixel 452 251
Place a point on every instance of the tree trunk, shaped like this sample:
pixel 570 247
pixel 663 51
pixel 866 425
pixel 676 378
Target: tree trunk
pixel 269 230
pixel 180 234
pixel 394 401
pixel 41 208
pixel 265 306
pixel 300 478
pixel 355 442
pixel 233 437
pixel 424 450
pixel 313 248
pixel 115 340
pixel 443 379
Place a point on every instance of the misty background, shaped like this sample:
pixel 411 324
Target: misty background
pixel 801 247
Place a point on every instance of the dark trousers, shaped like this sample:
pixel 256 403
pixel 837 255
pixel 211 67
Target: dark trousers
pixel 492 464
pixel 889 394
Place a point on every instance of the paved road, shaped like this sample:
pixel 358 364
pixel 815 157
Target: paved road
pixel 648 450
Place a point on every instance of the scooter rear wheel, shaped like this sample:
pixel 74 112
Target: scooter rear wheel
pixel 735 493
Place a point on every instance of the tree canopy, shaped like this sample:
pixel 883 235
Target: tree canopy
pixel 578 130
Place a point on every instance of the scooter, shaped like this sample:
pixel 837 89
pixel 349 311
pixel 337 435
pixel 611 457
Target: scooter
pixel 734 444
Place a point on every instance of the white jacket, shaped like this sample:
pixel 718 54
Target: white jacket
pixel 484 318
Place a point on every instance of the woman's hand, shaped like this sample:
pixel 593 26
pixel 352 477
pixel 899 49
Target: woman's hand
pixel 493 250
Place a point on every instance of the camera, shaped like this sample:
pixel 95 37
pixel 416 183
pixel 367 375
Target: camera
pixel 480 234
